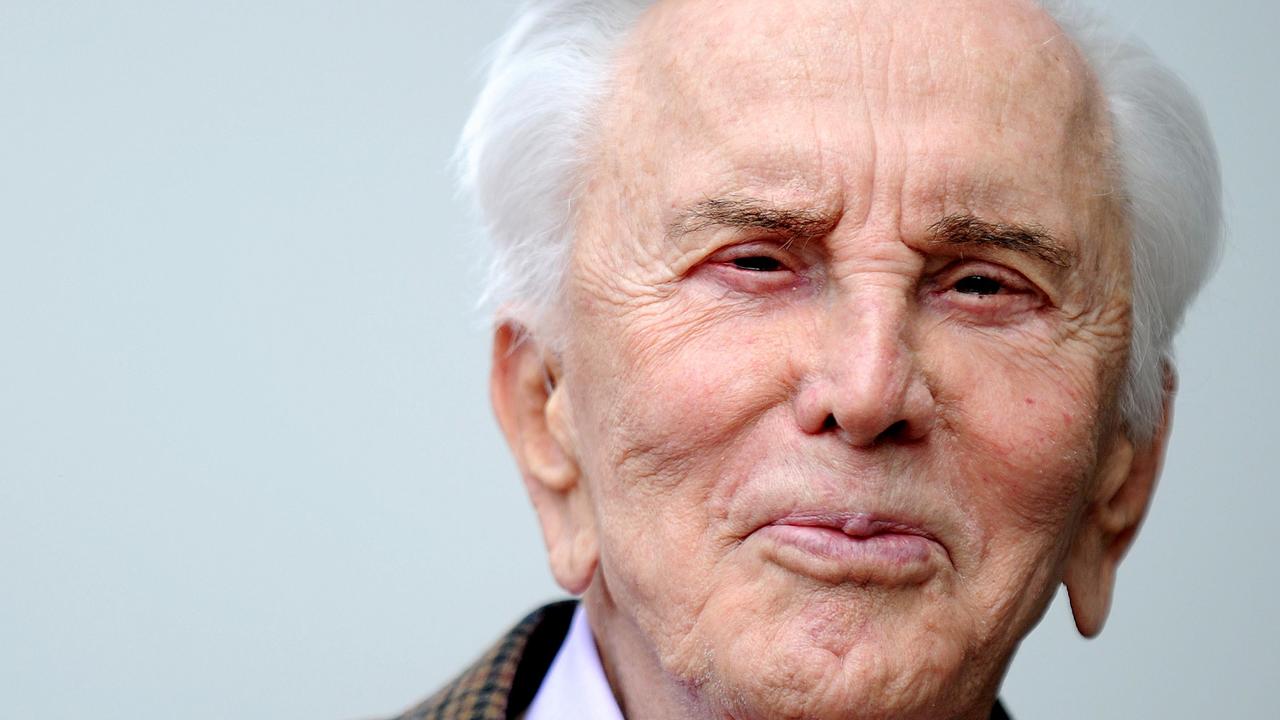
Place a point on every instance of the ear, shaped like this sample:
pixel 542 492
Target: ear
pixel 528 399
pixel 1120 500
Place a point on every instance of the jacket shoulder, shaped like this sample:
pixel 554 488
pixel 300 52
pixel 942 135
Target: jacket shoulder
pixel 502 683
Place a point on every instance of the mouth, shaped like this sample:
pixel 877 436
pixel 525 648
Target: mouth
pixel 862 548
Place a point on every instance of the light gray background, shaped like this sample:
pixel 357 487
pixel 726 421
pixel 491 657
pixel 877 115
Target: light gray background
pixel 247 465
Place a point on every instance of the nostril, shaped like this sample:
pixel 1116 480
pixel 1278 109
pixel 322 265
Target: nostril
pixel 895 431
pixel 830 423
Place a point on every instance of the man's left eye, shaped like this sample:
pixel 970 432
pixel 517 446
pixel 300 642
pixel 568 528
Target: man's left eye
pixel 985 292
pixel 978 285
pixel 758 263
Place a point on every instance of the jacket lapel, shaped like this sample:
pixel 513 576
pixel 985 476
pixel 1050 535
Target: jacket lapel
pixel 502 683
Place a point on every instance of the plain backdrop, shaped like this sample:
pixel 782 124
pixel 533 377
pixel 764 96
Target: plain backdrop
pixel 247 462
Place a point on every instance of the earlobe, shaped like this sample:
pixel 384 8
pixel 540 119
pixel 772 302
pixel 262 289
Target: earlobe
pixel 529 402
pixel 1119 503
pixel 1090 580
pixel 1108 527
pixel 1104 534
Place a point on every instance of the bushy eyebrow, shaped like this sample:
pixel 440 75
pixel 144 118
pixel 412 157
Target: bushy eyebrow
pixel 749 213
pixel 964 229
pixel 959 229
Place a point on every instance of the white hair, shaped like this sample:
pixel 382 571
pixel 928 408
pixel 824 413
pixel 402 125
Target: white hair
pixel 522 153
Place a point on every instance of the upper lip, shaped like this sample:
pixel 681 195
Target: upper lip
pixel 855 524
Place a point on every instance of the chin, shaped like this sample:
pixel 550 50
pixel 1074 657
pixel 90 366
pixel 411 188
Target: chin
pixel 825 657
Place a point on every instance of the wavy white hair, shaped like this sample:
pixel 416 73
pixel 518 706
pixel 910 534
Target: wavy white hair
pixel 521 161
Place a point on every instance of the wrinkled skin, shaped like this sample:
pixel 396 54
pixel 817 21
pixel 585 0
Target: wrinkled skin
pixel 711 379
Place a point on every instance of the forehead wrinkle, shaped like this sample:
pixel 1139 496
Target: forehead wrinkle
pixel 707 101
pixel 827 52
pixel 775 53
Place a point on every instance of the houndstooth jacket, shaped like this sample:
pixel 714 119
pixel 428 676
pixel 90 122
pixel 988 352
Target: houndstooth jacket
pixel 502 683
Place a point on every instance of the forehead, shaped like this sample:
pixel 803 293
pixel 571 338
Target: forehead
pixel 936 102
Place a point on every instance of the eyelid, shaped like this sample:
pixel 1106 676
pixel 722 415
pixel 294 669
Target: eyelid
pixel 1020 273
pixel 752 248
pixel 1018 296
pixel 721 267
pixel 759 248
pixel 964 268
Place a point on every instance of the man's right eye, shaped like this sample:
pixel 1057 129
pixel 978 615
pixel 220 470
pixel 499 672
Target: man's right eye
pixel 758 263
pixel 756 268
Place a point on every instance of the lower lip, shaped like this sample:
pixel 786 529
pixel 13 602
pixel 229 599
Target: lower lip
pixel 829 554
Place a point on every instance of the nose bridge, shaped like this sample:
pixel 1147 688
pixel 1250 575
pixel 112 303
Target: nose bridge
pixel 869 388
pixel 867 357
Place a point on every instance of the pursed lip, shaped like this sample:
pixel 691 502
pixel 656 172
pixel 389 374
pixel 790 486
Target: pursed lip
pixel 864 547
pixel 854 524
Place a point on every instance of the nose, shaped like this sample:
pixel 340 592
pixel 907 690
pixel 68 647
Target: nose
pixel 866 384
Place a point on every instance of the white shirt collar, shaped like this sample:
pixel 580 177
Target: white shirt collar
pixel 575 687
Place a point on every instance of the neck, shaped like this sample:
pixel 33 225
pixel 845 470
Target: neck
pixel 643 690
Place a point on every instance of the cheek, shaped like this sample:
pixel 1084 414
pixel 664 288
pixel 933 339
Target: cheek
pixel 1019 419
pixel 678 388
pixel 665 434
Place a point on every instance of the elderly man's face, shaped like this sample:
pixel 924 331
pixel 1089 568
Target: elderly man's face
pixel 845 318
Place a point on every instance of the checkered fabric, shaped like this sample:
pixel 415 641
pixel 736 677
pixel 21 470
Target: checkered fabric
pixel 502 683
